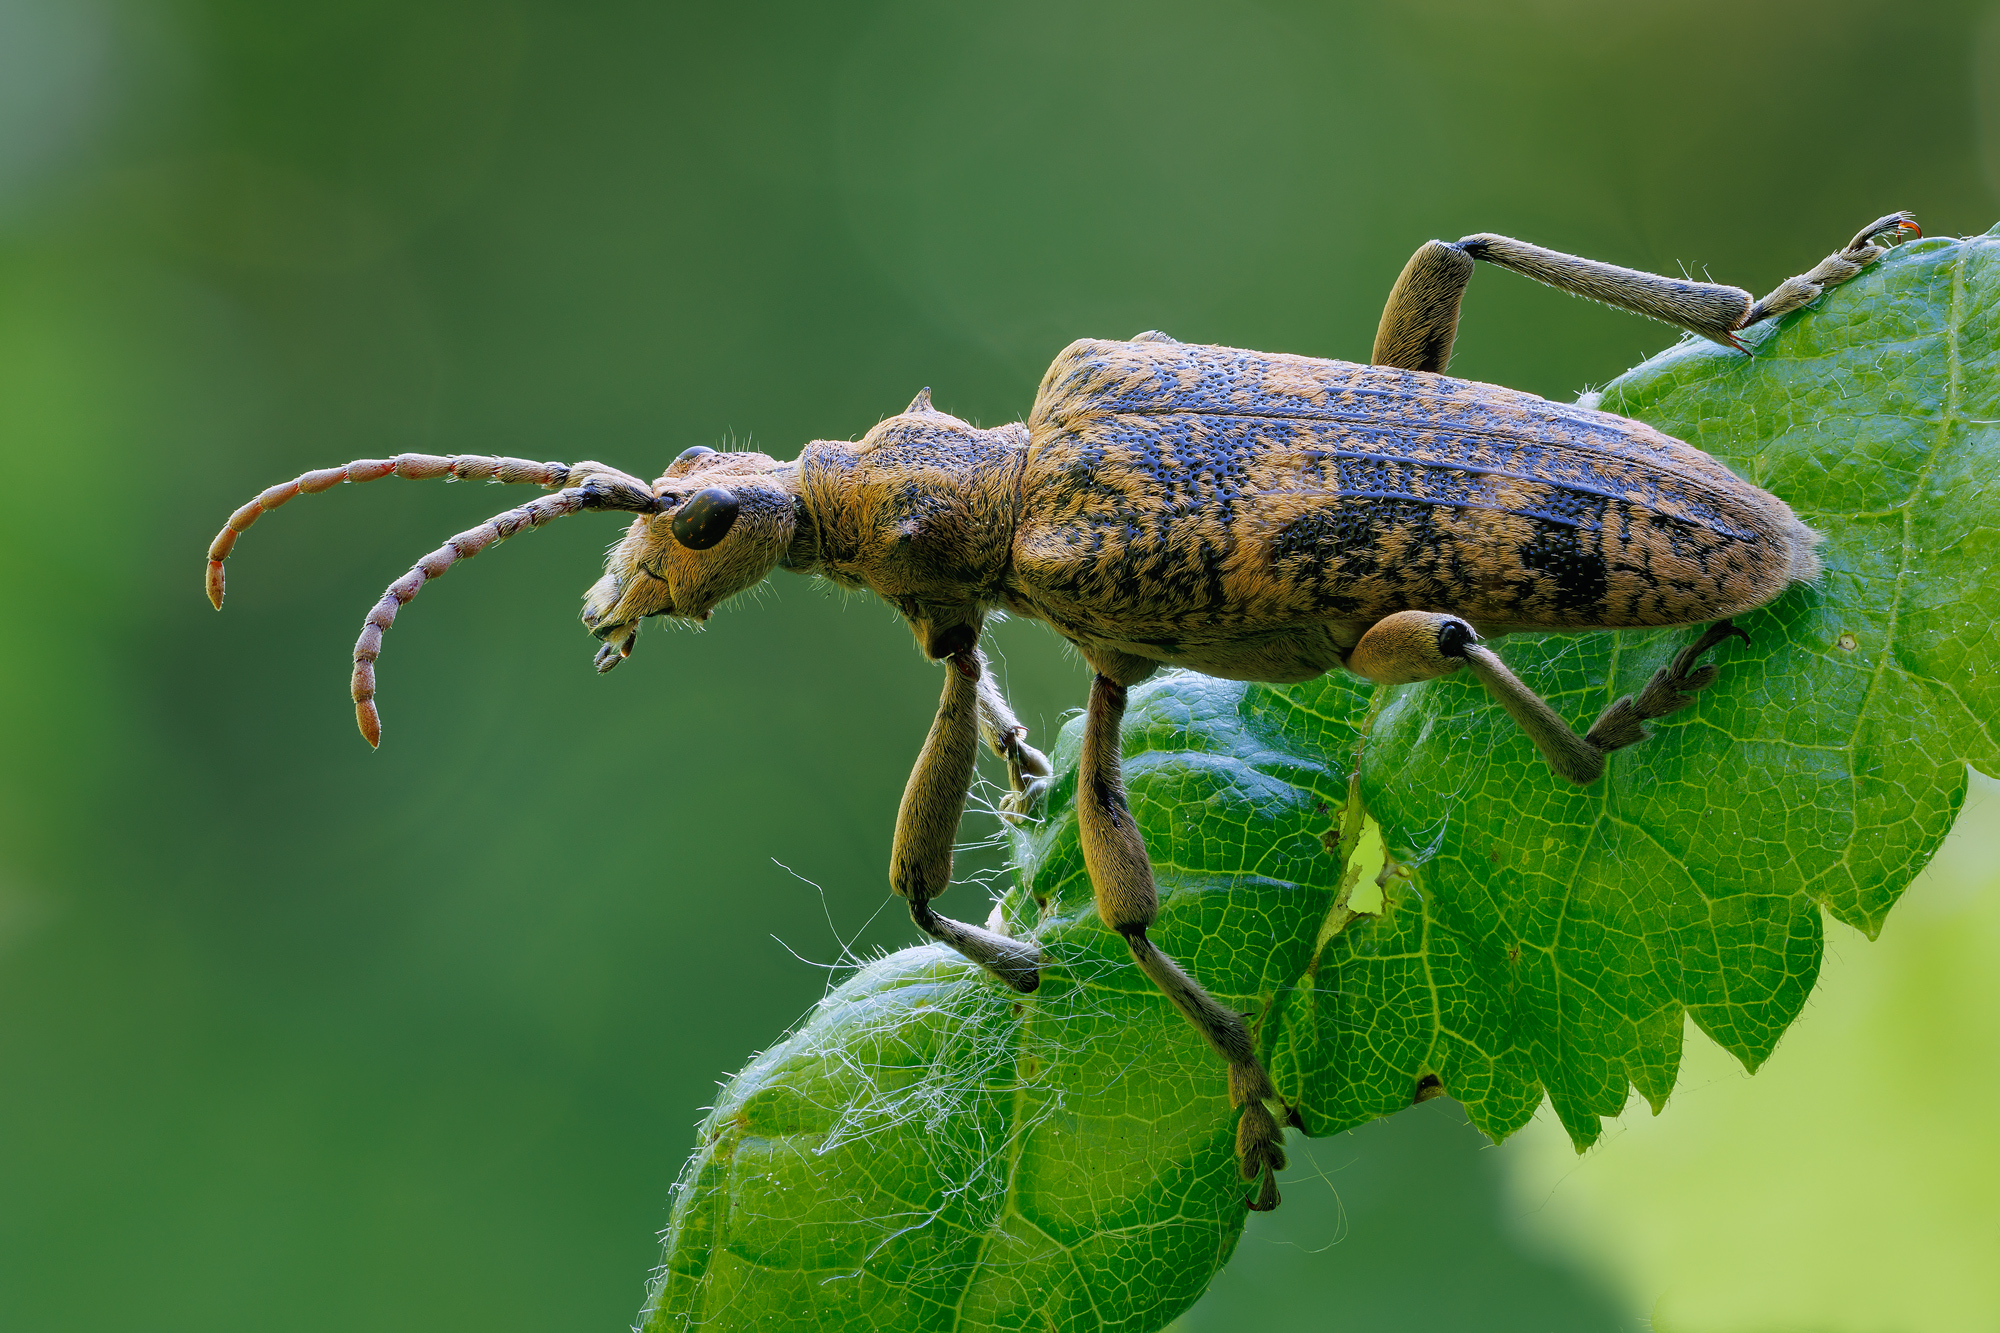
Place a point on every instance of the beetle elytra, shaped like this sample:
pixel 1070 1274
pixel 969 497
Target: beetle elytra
pixel 1254 516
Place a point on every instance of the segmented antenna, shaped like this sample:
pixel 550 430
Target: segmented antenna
pixel 413 467
pixel 462 547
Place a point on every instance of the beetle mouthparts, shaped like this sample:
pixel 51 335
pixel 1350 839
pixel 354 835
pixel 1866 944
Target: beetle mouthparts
pixel 611 654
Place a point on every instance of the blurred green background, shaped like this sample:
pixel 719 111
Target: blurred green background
pixel 294 1034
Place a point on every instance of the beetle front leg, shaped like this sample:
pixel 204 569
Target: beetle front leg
pixel 1028 769
pixel 1114 853
pixel 927 828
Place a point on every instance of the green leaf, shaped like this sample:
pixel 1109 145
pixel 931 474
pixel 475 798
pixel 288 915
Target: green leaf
pixel 1821 772
pixel 932 1151
pixel 1397 890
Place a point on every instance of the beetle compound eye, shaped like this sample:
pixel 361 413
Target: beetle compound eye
pixel 697 451
pixel 705 519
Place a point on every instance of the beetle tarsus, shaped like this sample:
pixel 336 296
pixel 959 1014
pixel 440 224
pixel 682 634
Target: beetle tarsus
pixel 1028 769
pixel 1671 689
pixel 1028 775
pixel 615 651
pixel 1260 1153
pixel 1837 268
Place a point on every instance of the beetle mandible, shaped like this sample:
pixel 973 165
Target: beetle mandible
pixel 1253 516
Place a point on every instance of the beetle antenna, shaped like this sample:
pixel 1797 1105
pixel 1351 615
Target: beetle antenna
pixel 413 467
pixel 462 547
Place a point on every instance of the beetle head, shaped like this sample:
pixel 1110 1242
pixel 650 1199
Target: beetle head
pixel 725 520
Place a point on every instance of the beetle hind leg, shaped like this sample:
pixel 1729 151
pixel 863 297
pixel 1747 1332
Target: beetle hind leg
pixel 1671 689
pixel 1581 758
pixel 1114 853
pixel 1421 318
pixel 1423 645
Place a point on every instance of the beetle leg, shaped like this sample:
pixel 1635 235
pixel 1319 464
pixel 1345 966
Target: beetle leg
pixel 1411 646
pixel 1835 269
pixel 1572 756
pixel 1581 758
pixel 1421 317
pixel 1714 310
pixel 1114 853
pixel 1027 768
pixel 1671 689
pixel 1423 645
pixel 927 826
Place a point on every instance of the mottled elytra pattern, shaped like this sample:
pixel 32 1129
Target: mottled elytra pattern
pixel 926 1153
pixel 1815 779
pixel 1177 496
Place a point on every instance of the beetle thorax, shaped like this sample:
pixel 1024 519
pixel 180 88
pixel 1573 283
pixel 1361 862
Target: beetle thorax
pixel 921 510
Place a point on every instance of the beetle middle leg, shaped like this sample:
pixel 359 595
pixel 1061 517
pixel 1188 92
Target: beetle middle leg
pixel 1114 853
pixel 1421 317
pixel 1423 645
pixel 927 828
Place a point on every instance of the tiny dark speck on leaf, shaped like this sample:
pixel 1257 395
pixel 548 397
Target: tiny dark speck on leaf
pixel 1330 839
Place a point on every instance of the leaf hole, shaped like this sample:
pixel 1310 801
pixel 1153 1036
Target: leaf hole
pixel 1367 869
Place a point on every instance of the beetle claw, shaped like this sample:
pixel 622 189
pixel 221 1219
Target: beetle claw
pixel 1028 778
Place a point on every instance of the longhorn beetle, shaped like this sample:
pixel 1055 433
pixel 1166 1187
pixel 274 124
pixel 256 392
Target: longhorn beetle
pixel 1254 516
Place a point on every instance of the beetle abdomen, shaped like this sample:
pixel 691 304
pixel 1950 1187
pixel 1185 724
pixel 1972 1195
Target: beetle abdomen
pixel 1249 487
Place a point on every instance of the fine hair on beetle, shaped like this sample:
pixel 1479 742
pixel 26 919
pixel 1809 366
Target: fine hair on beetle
pixel 1252 516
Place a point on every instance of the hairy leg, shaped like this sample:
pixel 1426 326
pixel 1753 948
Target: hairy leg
pixel 927 828
pixel 1027 768
pixel 1421 317
pixel 1422 645
pixel 1122 877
